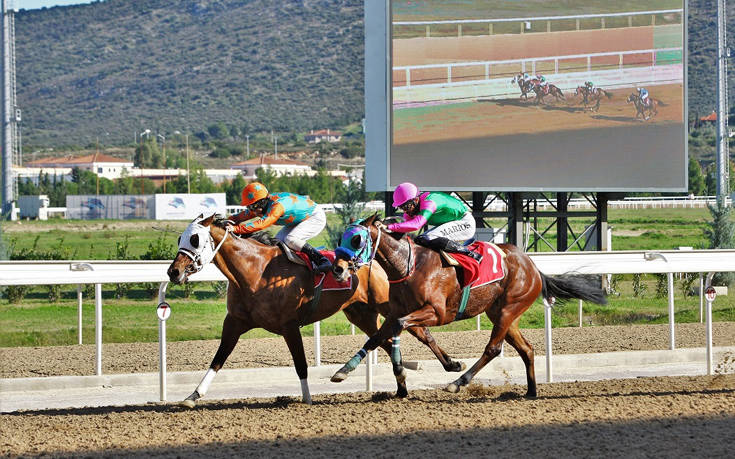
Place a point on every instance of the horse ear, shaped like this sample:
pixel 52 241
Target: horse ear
pixel 371 219
pixel 207 221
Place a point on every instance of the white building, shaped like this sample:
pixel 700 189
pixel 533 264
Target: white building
pixel 323 135
pixel 278 166
pixel 105 166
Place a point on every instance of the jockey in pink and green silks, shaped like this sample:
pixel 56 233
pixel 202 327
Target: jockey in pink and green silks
pixel 452 222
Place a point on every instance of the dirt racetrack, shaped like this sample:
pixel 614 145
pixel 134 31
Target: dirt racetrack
pixel 512 116
pixel 666 417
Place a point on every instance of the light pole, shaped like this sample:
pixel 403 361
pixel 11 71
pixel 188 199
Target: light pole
pixel 146 133
pixel 188 185
pixel 163 137
pixel 247 143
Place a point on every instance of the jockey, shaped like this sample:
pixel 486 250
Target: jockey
pixel 452 222
pixel 301 218
pixel 590 86
pixel 643 95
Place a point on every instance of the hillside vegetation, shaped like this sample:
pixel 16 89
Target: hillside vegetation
pixel 110 69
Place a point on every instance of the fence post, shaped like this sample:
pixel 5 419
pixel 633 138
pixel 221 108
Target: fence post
pixel 459 30
pixel 490 29
pixel 580 313
pixel 428 33
pixel 672 344
pixel 708 327
pixel 98 328
pixel 547 335
pixel 79 312
pixel 701 297
pixel 317 343
pixel 163 311
pixel 630 21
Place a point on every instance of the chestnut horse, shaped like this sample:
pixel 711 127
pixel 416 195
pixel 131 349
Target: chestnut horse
pixel 592 97
pixel 640 108
pixel 425 292
pixel 268 291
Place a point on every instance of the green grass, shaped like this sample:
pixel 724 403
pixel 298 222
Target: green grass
pixel 36 322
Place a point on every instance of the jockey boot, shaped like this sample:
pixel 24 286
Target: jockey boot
pixel 456 247
pixel 447 245
pixel 322 263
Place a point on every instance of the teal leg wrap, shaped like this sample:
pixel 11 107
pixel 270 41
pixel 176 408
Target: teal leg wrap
pixel 395 354
pixel 355 361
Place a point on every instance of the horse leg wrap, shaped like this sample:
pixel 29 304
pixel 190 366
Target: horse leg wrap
pixel 355 361
pixel 203 386
pixel 395 351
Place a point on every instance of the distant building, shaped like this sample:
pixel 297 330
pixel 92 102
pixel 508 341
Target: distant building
pixel 278 166
pixel 323 135
pixel 103 165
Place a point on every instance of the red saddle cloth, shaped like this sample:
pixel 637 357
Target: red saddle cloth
pixel 490 269
pixel 326 279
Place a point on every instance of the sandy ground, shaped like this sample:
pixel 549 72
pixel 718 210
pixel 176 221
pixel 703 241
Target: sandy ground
pixel 489 118
pixel 196 355
pixel 661 417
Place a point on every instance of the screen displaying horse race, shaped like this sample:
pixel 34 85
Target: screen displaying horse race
pixel 537 95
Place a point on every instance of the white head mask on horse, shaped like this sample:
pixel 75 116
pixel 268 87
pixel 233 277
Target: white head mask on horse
pixel 196 243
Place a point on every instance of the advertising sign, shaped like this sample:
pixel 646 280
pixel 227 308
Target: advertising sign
pixel 188 206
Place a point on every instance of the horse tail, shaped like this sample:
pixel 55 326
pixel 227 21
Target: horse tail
pixel 570 286
pixel 608 94
pixel 661 103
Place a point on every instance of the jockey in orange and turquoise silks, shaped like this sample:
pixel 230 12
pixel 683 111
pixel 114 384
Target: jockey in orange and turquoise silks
pixel 301 218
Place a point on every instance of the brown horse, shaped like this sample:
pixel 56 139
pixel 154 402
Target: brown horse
pixel 592 97
pixel 426 292
pixel 551 90
pixel 268 291
pixel 641 109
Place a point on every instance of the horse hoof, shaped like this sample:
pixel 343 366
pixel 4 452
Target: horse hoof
pixel 188 403
pixel 339 377
pixel 413 366
pixel 402 392
pixel 306 401
pixel 453 388
pixel 401 377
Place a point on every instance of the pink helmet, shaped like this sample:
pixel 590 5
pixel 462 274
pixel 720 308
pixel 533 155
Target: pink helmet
pixel 404 192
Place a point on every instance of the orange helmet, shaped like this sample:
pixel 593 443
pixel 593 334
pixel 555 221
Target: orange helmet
pixel 253 192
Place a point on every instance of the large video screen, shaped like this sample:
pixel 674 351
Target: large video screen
pixel 535 95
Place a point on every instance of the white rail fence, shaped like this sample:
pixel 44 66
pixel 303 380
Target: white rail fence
pixel 456 85
pixel 624 262
pixel 525 22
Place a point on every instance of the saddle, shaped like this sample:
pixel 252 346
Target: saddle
pixel 291 256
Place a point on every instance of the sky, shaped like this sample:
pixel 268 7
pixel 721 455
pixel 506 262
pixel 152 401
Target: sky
pixel 35 4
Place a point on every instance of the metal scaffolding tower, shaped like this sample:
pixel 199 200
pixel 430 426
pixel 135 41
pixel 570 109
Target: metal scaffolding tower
pixel 723 151
pixel 11 143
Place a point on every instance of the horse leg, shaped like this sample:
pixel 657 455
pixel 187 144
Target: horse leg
pixel 505 321
pixel 292 335
pixel 422 334
pixel 424 317
pixel 525 350
pixel 367 320
pixel 232 328
pixel 385 332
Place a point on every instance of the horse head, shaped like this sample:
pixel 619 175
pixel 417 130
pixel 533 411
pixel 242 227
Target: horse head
pixel 196 249
pixel 356 248
pixel 631 98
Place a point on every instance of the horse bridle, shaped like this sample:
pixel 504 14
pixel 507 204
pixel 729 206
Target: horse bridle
pixel 197 258
pixel 355 263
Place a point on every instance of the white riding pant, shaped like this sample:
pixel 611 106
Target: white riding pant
pixel 297 235
pixel 457 231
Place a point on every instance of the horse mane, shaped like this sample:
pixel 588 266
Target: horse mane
pixel 263 237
